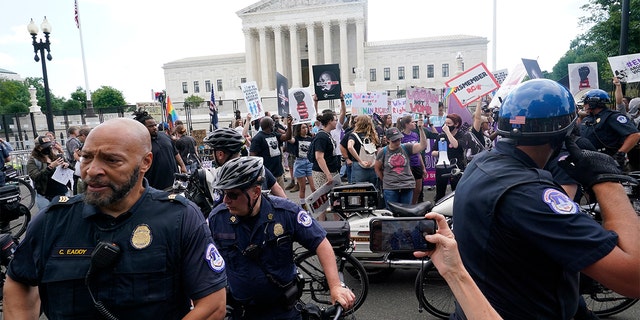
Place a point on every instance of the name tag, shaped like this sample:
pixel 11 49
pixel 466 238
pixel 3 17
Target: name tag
pixel 72 252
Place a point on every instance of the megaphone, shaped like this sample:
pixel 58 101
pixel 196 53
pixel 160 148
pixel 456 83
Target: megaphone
pixel 443 159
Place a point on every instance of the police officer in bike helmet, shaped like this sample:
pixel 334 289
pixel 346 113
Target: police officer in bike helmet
pixel 255 235
pixel 226 144
pixel 516 228
pixel 610 131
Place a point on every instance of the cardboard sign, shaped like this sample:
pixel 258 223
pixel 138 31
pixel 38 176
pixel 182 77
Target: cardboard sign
pixel 326 81
pixel 301 106
pixel 398 109
pixel 583 76
pixel 367 102
pixel 282 83
pixel 472 84
pixel 626 68
pixel 422 100
pixel 252 99
pixel 318 202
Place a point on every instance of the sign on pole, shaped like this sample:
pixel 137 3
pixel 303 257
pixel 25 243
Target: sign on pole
pixel 472 84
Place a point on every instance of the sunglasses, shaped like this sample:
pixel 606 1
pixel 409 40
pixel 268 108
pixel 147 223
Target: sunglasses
pixel 232 195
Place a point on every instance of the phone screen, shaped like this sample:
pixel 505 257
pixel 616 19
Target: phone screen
pixel 400 234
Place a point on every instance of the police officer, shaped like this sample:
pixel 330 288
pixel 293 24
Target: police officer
pixel 226 144
pixel 608 130
pixel 121 250
pixel 255 234
pixel 518 229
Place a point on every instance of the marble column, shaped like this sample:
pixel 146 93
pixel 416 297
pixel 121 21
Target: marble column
pixel 345 69
pixel 360 42
pixel 264 57
pixel 249 54
pixel 326 34
pixel 277 32
pixel 295 57
pixel 311 47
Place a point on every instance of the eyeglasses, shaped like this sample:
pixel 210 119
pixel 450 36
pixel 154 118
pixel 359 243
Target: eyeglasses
pixel 232 195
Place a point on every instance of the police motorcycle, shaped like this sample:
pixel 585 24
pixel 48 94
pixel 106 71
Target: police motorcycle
pixel 196 186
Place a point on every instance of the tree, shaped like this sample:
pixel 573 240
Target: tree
pixel 12 91
pixel 72 104
pixel 15 107
pixel 193 101
pixel 106 97
pixel 79 95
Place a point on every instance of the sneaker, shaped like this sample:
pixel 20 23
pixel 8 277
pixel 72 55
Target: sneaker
pixel 295 188
pixel 289 186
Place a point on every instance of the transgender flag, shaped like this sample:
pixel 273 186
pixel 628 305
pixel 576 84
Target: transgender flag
pixel 172 115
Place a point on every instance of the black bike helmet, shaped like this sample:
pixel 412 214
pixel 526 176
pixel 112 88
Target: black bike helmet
pixel 596 98
pixel 225 139
pixel 239 173
pixel 536 112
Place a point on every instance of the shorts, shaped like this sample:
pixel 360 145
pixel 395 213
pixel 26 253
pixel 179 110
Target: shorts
pixel 302 168
pixel 417 172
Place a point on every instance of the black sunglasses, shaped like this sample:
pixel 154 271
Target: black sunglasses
pixel 232 195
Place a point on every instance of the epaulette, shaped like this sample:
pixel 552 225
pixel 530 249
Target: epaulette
pixel 172 197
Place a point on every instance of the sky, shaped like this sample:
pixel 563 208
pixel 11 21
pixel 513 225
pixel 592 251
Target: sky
pixel 127 42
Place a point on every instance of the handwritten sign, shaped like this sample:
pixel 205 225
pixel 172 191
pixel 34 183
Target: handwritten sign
pixel 472 84
pixel 252 99
pixel 422 100
pixel 398 109
pixel 367 102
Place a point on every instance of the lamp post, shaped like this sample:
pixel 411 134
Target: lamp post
pixel 41 46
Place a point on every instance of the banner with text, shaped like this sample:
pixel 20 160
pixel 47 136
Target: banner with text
pixel 422 100
pixel 367 102
pixel 626 68
pixel 252 99
pixel 472 84
pixel 301 106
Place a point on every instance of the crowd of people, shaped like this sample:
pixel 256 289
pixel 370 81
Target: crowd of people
pixel 125 248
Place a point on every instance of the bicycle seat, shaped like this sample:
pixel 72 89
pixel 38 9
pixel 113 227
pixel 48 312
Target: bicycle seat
pixel 410 210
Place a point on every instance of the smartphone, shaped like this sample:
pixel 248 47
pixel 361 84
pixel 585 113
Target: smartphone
pixel 404 234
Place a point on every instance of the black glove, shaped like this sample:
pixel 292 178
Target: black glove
pixel 591 167
pixel 620 158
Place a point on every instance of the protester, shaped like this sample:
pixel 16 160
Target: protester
pixel 41 166
pixel 362 134
pixel 452 136
pixel 326 164
pixel 186 146
pixel 266 144
pixel 302 167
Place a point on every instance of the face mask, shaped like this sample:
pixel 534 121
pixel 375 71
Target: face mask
pixel 451 128
pixel 46 151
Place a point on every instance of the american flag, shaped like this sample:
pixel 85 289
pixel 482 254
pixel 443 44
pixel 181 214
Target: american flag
pixel 212 104
pixel 76 17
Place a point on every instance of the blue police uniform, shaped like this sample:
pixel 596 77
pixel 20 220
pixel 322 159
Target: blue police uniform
pixel 521 237
pixel 607 130
pixel 167 258
pixel 258 252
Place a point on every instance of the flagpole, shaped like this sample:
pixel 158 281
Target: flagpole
pixel 89 110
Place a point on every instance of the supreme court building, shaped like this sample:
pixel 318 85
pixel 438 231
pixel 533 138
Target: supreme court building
pixel 290 36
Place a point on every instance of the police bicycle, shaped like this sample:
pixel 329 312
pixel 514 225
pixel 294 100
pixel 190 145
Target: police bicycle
pixel 17 190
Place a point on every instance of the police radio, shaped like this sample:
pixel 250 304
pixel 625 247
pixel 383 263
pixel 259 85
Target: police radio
pixel 104 256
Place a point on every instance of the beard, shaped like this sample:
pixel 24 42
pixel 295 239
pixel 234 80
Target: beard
pixel 118 191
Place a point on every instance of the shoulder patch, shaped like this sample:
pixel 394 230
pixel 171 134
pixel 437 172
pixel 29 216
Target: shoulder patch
pixel 304 218
pixel 214 258
pixel 622 119
pixel 64 200
pixel 559 202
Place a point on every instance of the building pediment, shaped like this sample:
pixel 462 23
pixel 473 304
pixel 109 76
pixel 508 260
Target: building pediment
pixel 266 6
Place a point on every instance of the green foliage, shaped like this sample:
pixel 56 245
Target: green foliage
pixel 15 107
pixel 12 91
pixel 79 95
pixel 72 104
pixel 106 97
pixel 194 101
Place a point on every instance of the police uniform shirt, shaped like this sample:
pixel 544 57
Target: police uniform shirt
pixel 167 258
pixel 279 224
pixel 521 237
pixel 607 130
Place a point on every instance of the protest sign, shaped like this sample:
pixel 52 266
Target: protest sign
pixel 398 109
pixel 501 75
pixel 367 102
pixel 422 100
pixel 583 76
pixel 326 81
pixel 514 77
pixel 472 84
pixel 252 99
pixel 282 83
pixel 533 69
pixel 318 202
pixel 301 106
pixel 626 68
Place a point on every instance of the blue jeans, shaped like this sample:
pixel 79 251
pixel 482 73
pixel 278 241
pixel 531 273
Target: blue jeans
pixel 360 174
pixel 397 195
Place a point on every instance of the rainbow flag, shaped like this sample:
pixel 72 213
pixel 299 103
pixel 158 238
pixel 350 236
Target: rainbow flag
pixel 449 91
pixel 172 115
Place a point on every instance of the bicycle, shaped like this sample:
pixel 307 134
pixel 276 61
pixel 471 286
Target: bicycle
pixel 17 197
pixel 352 273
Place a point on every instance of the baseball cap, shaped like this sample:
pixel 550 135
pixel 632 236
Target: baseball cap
pixel 393 134
pixel 43 142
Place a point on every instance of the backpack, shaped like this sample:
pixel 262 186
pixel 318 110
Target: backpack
pixel 367 149
pixel 311 154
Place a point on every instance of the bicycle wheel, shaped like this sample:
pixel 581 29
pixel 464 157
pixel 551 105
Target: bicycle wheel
pixel 604 302
pixel 27 193
pixel 433 293
pixel 316 288
pixel 17 226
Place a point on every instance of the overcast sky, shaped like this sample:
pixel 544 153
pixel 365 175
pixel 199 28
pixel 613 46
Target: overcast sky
pixel 127 42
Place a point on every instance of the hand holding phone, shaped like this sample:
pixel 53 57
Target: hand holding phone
pixel 401 234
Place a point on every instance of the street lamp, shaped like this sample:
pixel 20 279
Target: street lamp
pixel 42 46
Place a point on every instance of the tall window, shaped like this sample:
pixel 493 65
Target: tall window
pixel 372 75
pixel 185 89
pixel 445 70
pixel 429 71
pixel 400 73
pixel 207 85
pixel 416 72
pixel 196 86
pixel 387 74
pixel 243 80
pixel 219 85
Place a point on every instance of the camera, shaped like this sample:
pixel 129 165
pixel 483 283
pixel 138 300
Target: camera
pixel 405 234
